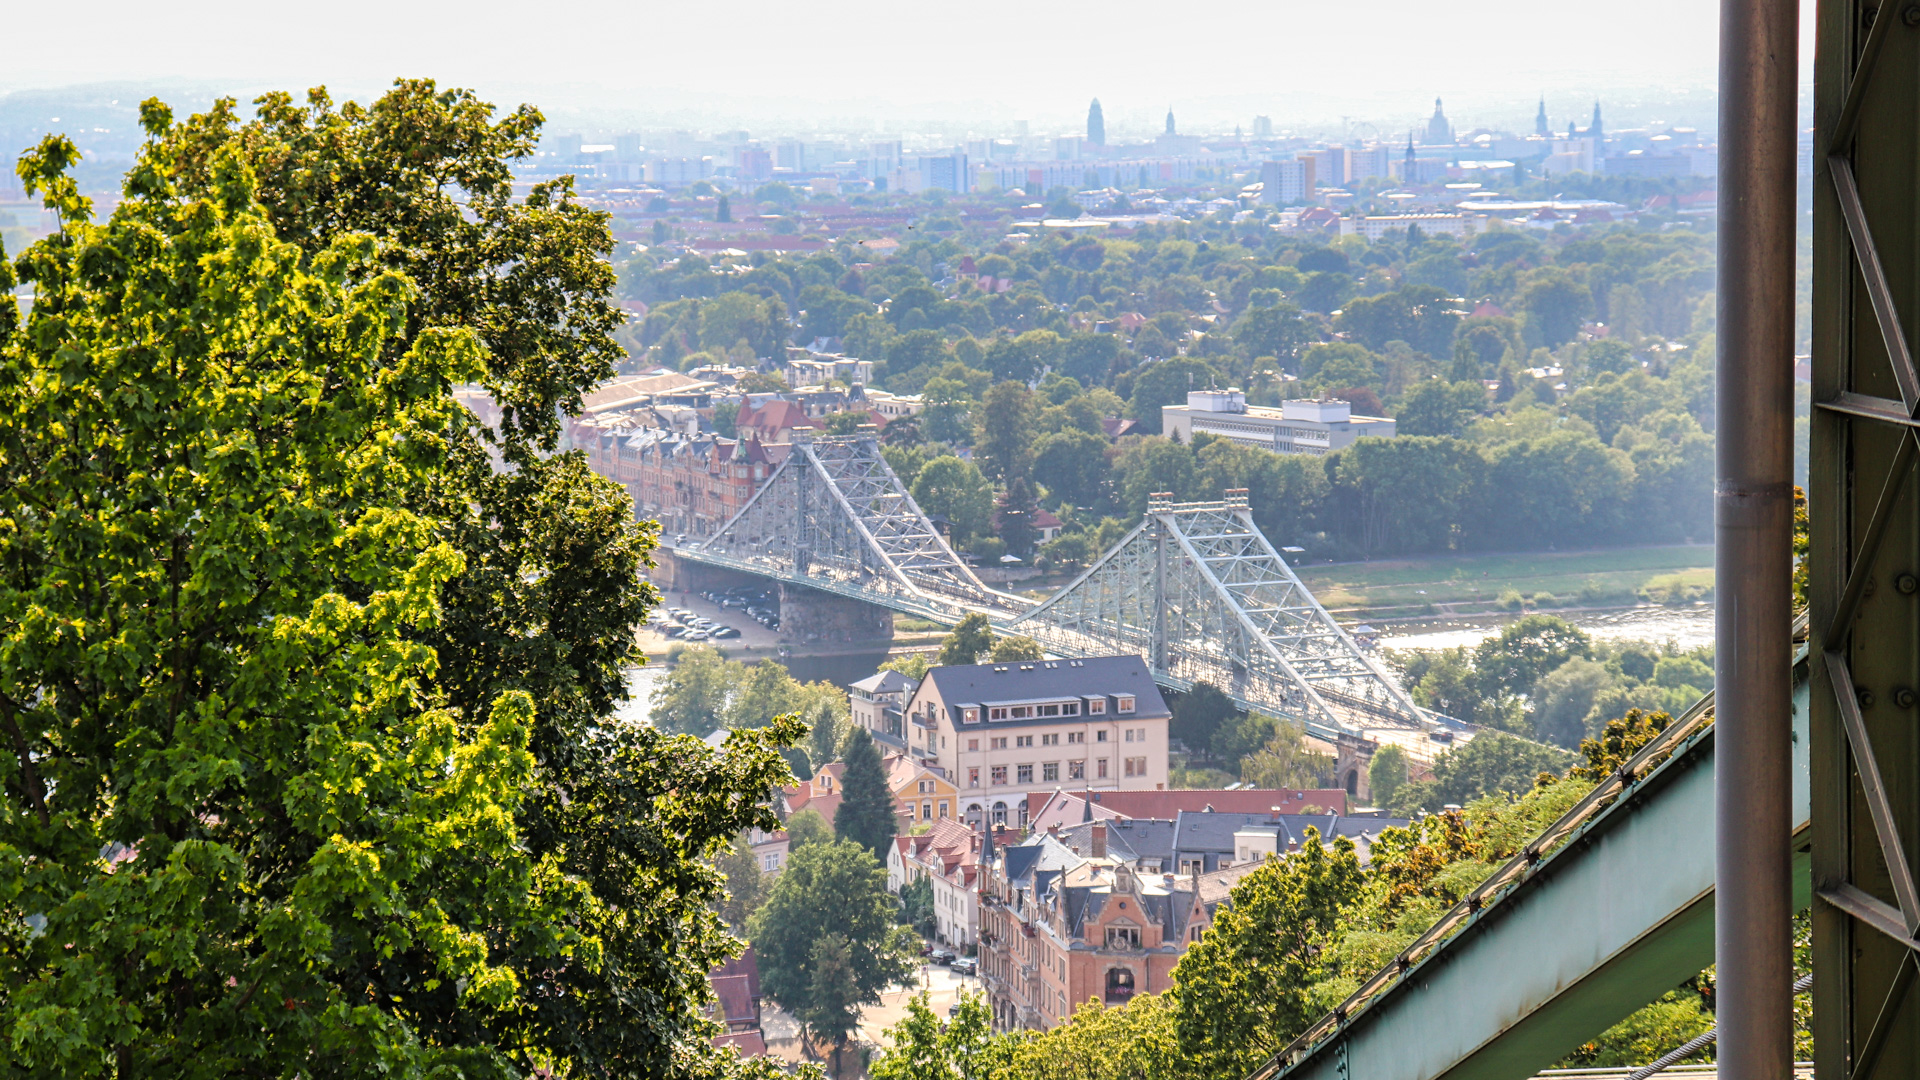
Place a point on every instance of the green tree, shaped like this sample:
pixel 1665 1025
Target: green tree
pixel 1556 303
pixel 916 906
pixel 1515 660
pixel 746 884
pixel 1198 716
pixel 955 490
pixel 1244 990
pixel 1565 696
pixel 807 827
pixel 1135 1041
pixel 922 1047
pixel 1493 762
pixel 692 699
pixel 836 891
pixel 913 665
pixel 1287 760
pixel 1013 518
pixel 250 721
pixel 1270 330
pixel 1073 466
pixel 1435 407
pixel 866 815
pixel 968 640
pixel 1003 441
pixel 1166 383
pixel 1016 647
pixel 1386 774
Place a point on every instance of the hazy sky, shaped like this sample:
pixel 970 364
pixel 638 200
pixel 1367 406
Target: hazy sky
pixel 835 62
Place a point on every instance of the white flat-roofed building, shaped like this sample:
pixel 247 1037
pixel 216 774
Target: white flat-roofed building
pixel 1296 427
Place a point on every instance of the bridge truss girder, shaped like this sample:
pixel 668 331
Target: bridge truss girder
pixel 835 516
pixel 1199 592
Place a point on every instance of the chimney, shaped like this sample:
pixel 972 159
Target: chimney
pixel 1054 831
pixel 1099 831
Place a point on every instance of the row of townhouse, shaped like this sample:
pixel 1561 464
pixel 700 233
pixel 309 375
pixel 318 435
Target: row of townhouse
pixel 691 483
pixel 1103 910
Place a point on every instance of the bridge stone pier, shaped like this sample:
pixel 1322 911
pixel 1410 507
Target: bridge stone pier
pixel 811 616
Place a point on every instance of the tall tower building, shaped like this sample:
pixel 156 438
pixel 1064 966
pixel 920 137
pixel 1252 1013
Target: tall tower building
pixel 1540 126
pixel 1439 132
pixel 1595 132
pixel 1170 130
pixel 1096 125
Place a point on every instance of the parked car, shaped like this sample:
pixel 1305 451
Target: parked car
pixel 696 635
pixel 723 632
pixel 953 1009
pixel 941 956
pixel 966 965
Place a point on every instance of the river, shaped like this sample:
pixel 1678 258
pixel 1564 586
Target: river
pixel 1687 627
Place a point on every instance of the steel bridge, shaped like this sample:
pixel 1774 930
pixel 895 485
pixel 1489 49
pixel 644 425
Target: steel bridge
pixel 1195 589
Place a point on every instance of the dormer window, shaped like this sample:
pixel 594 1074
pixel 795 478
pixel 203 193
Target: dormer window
pixel 970 715
pixel 1125 703
pixel 1097 707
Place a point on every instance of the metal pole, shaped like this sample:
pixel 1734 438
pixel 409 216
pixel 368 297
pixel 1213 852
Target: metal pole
pixel 1753 528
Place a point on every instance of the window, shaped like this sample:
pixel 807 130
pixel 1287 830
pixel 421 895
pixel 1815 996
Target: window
pixel 1048 710
pixel 943 808
pixel 926 787
pixel 1099 736
pixel 926 811
pixel 1119 986
pixel 1000 743
pixel 1143 734
pixel 996 714
pixel 999 813
pixel 1071 708
pixel 999 776
pixel 1050 740
pixel 973 744
pixel 1021 712
pixel 1194 932
pixel 1100 769
pixel 1096 706
pixel 1076 770
pixel 1050 771
pixel 1129 734
pixel 1076 736
pixel 1136 766
pixel 1023 740
pixel 1126 703
pixel 1026 774
pixel 973 776
pixel 970 716
pixel 1123 937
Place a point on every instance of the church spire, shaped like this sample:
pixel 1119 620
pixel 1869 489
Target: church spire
pixel 1170 130
pixel 1540 126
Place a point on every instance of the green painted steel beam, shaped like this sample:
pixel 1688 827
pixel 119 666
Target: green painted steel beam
pixel 1620 914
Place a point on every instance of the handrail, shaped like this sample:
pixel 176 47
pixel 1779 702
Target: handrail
pixel 1511 873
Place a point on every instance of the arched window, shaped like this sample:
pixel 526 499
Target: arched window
pixel 1353 781
pixel 975 815
pixel 1000 813
pixel 1119 986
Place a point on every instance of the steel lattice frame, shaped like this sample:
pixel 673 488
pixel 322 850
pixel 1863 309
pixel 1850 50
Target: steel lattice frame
pixel 1866 772
pixel 834 516
pixel 1199 591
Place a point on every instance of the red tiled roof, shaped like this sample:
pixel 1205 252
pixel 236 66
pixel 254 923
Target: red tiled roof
pixel 748 1043
pixel 1164 805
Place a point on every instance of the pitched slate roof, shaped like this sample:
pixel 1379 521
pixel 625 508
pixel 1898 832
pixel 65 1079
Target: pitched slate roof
pixel 1041 680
